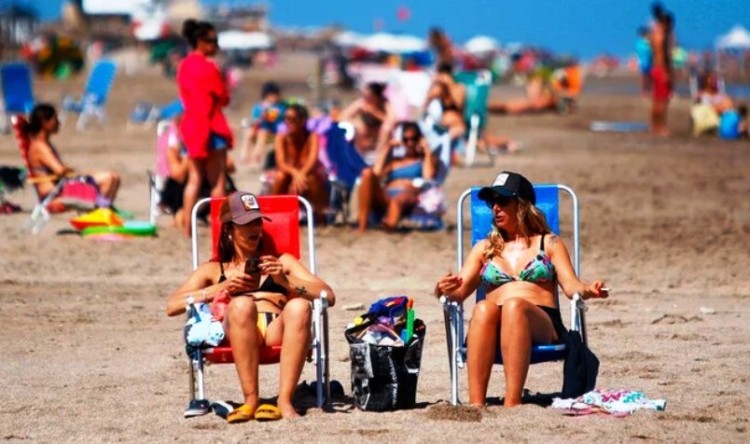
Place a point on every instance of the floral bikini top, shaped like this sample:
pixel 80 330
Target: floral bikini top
pixel 539 270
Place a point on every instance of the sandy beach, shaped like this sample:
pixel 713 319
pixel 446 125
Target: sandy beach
pixel 90 356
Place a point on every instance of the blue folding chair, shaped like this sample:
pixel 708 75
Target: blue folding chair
pixel 548 200
pixel 477 84
pixel 96 93
pixel 18 95
pixel 346 166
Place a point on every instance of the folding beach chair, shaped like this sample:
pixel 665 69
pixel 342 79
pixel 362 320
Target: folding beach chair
pixel 477 85
pixel 345 165
pixel 83 190
pixel 146 113
pixel 548 201
pixel 18 96
pixel 94 99
pixel 283 235
pixel 158 177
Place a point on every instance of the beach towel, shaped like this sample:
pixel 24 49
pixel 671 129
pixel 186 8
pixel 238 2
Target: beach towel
pixel 617 402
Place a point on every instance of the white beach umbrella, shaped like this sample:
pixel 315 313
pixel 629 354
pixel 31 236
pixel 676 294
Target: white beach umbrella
pixel 482 44
pixel 234 39
pixel 393 43
pixel 738 37
pixel 348 39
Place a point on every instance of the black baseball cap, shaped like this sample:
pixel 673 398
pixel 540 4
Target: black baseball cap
pixel 509 184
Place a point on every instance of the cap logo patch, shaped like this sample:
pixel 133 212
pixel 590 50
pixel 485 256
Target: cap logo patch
pixel 500 180
pixel 249 202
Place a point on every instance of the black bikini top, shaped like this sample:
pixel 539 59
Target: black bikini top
pixel 268 286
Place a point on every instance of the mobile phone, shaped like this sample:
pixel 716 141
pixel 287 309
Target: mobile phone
pixel 251 266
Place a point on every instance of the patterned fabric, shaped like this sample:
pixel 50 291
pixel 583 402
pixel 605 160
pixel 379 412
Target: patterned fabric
pixel 539 270
pixel 617 402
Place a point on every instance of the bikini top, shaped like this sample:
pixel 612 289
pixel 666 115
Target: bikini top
pixel 268 286
pixel 539 270
pixel 410 171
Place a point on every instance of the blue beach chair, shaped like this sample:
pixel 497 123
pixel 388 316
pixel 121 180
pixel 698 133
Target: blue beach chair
pixel 96 93
pixel 18 95
pixel 477 84
pixel 346 165
pixel 548 200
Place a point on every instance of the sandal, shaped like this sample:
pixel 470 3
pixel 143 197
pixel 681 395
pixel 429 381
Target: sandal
pixel 267 412
pixel 242 413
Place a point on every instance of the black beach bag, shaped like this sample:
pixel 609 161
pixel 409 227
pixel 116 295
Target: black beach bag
pixel 385 377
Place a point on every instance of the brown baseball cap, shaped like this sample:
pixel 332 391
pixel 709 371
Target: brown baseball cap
pixel 241 208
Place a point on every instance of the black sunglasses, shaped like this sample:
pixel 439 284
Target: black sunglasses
pixel 411 139
pixel 498 199
pixel 211 40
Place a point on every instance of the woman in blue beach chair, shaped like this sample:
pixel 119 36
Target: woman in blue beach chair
pixel 520 265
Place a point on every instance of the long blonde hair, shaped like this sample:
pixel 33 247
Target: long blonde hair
pixel 531 222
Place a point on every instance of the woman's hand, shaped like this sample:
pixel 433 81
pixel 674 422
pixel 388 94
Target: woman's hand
pixel 299 182
pixel 242 283
pixel 447 285
pixel 273 267
pixel 595 289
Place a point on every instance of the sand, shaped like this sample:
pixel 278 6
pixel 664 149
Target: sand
pixel 89 355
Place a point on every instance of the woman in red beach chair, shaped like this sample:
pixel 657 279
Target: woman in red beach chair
pixel 269 303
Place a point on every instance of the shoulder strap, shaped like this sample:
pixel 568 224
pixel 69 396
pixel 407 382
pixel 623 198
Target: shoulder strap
pixel 541 246
pixel 221 266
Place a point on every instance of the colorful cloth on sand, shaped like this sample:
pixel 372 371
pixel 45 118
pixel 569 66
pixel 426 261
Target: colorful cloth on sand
pixel 616 402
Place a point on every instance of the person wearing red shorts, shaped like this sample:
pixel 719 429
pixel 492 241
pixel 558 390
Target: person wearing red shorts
pixel 661 40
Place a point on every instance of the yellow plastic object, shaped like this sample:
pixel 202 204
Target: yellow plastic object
pixel 101 217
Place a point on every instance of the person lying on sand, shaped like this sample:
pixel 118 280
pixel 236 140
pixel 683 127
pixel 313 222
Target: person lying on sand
pixel 520 264
pixel 269 302
pixel 540 96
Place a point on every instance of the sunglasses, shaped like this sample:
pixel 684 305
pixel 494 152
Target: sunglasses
pixel 411 139
pixel 212 40
pixel 291 118
pixel 498 199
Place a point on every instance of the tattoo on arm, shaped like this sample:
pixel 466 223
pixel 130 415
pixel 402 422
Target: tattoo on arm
pixel 301 290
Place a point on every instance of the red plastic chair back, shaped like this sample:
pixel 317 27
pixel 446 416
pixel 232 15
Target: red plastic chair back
pixel 280 234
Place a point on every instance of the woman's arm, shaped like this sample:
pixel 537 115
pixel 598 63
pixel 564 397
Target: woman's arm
pixel 312 156
pixel 49 159
pixel 300 282
pixel 383 165
pixel 199 286
pixel 178 166
pixel 217 86
pixel 351 111
pixel 566 276
pixel 459 287
pixel 281 161
pixel 429 164
pixel 389 120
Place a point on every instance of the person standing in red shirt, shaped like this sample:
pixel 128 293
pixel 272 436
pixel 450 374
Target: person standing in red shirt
pixel 204 129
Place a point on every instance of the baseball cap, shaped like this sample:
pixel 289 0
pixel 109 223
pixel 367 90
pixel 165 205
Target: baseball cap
pixel 241 208
pixel 509 184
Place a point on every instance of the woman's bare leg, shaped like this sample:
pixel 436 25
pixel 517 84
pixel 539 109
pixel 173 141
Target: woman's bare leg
pixel 242 320
pixel 522 323
pixel 108 183
pixel 281 183
pixel 482 348
pixel 295 326
pixel 397 206
pixel 259 152
pixel 196 172
pixel 318 195
pixel 371 195
pixel 216 172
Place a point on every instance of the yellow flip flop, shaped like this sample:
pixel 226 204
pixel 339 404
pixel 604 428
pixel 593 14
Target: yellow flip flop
pixel 267 412
pixel 242 413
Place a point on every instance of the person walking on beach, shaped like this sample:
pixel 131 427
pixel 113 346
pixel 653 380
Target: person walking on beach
pixel 661 40
pixel 204 129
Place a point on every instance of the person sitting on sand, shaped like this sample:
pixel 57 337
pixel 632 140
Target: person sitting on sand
pixel 709 94
pixel 265 119
pixel 442 108
pixel 389 187
pixel 374 119
pixel 45 162
pixel 171 195
pixel 269 307
pixel 298 169
pixel 520 264
pixel 540 96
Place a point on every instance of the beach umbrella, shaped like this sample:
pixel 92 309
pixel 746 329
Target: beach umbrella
pixel 234 39
pixel 348 39
pixel 393 43
pixel 737 38
pixel 481 44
